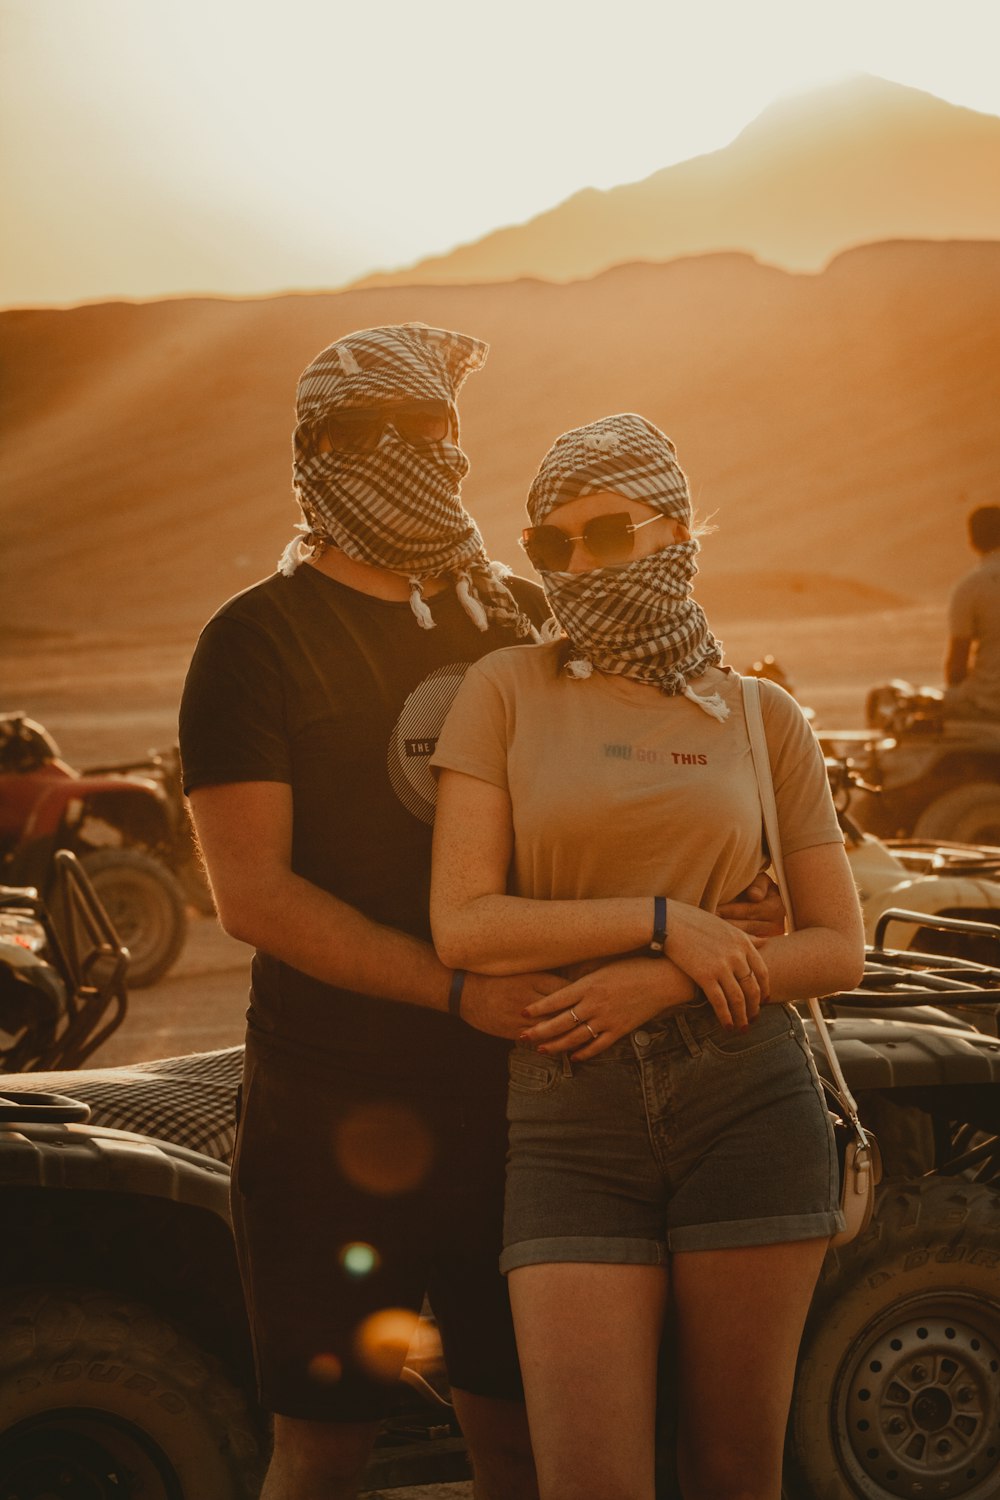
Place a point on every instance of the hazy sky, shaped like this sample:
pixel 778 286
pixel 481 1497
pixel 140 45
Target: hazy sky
pixel 158 146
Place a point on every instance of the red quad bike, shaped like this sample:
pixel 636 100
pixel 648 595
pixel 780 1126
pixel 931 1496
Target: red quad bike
pixel 124 828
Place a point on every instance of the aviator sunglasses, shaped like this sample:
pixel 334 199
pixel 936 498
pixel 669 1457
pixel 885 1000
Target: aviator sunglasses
pixel 359 430
pixel 608 539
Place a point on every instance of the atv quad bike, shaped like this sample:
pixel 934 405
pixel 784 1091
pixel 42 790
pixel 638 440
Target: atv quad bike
pixel 898 1386
pixel 179 852
pixel 937 879
pixel 123 827
pixel 925 776
pixel 124 1354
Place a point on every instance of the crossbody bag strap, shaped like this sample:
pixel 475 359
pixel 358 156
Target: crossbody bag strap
pixel 769 808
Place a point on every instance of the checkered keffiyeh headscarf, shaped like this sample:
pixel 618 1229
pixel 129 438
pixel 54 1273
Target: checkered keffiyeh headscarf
pixel 397 507
pixel 637 620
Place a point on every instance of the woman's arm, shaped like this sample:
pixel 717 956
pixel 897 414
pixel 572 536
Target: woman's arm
pixel 478 926
pixel 824 955
pixel 826 952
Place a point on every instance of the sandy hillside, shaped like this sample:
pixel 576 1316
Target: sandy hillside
pixel 837 427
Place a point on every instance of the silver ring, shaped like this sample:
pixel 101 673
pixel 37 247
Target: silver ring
pixel 740 977
pixel 576 1018
pixel 587 1025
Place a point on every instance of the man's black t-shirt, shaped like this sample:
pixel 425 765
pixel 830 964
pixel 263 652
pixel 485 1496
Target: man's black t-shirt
pixel 303 680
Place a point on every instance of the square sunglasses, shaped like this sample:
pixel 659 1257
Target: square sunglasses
pixel 608 539
pixel 360 429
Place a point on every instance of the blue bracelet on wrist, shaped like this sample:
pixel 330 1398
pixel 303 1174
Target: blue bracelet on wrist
pixel 658 942
pixel 455 993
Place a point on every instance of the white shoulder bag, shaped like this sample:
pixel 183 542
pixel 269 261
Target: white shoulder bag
pixel 860 1163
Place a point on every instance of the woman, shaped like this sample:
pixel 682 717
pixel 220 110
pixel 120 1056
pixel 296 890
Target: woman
pixel 668 1133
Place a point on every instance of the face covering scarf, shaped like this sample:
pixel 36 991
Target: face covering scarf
pixel 637 620
pixel 398 506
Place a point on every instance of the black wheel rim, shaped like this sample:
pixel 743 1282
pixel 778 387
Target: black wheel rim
pixel 917 1406
pixel 139 916
pixel 78 1454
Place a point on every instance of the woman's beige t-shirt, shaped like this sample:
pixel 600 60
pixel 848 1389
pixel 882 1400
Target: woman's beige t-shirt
pixel 623 793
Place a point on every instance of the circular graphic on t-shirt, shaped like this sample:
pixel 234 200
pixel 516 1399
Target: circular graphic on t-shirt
pixel 415 736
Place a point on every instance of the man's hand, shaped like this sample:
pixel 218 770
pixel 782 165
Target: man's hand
pixel 496 1004
pixel 758 911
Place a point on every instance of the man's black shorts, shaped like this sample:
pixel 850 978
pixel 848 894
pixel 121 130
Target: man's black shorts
pixel 355 1195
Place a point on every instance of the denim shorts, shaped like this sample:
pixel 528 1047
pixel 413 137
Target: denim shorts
pixel 683 1135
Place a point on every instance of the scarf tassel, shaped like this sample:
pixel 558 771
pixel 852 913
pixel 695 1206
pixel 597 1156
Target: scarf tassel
pixel 470 602
pixel 419 606
pixel 713 703
pixel 297 552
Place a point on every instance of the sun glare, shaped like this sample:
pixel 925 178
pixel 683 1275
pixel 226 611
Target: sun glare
pixel 250 147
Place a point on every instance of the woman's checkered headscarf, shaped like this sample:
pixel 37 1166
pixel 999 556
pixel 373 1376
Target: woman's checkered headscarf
pixel 397 507
pixel 637 620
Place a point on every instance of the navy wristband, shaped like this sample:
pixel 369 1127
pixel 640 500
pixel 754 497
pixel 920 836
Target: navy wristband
pixel 455 993
pixel 658 942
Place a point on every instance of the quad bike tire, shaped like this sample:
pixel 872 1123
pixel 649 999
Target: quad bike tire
pixel 898 1386
pixel 102 1398
pixel 146 907
pixel 968 814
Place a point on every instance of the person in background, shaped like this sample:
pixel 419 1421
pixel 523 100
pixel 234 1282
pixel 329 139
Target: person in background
pixel 669 1139
pixel 972 664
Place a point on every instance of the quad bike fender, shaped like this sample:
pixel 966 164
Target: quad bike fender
pixel 886 1054
pixel 933 894
pixel 896 763
pixel 943 760
pixel 63 802
pixel 92 1158
pixel 88 812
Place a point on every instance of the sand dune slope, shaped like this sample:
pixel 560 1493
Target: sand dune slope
pixel 837 427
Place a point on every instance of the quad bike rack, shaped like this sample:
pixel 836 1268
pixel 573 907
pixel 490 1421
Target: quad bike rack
pixel 74 996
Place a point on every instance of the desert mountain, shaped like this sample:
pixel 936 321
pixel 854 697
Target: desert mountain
pixel 836 427
pixel 851 164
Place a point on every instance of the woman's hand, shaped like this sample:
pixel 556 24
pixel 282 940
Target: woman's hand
pixel 605 1003
pixel 723 962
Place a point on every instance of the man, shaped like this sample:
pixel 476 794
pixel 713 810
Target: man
pixel 370 1156
pixel 972 665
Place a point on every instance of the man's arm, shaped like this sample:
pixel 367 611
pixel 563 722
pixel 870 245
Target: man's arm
pixel 245 832
pixel 956 662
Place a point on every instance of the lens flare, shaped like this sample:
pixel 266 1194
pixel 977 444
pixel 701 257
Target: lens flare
pixel 384 1148
pixel 382 1340
pixel 326 1369
pixel 359 1259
